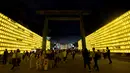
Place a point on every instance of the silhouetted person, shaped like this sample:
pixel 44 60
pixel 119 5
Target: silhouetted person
pixel 73 54
pixel 86 58
pixel 56 58
pixel 11 53
pixel 10 57
pixel 24 54
pixel 104 54
pixel 99 54
pixel 27 53
pixel 96 58
pixel 18 56
pixel 108 55
pixel 5 56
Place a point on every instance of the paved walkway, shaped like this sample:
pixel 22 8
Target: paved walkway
pixel 74 66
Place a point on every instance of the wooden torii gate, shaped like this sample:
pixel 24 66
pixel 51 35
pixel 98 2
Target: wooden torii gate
pixel 48 13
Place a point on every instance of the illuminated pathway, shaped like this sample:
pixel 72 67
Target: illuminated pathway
pixel 75 66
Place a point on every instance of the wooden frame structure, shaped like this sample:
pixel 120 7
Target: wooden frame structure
pixel 48 13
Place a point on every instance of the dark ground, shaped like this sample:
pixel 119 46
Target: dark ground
pixel 73 66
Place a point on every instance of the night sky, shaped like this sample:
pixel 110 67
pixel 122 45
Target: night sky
pixel 101 12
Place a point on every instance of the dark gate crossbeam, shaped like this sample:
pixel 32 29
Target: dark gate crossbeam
pixel 62 12
pixel 63 18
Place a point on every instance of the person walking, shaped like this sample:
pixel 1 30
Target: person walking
pixel 14 60
pixel 64 55
pixel 86 58
pixel 99 54
pixel 19 57
pixel 10 57
pixel 56 58
pixel 26 57
pixel 108 55
pixel 73 54
pixel 37 61
pixel 104 54
pixel 23 55
pixel 31 60
pixel 95 59
pixel 5 56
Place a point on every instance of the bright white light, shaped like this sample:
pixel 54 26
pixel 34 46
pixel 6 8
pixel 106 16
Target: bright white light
pixel 33 50
pixel 48 38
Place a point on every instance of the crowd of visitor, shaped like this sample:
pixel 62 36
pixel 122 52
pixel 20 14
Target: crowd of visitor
pixel 91 58
pixel 52 58
pixel 37 59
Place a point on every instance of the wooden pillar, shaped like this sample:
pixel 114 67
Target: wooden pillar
pixel 82 31
pixel 45 33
